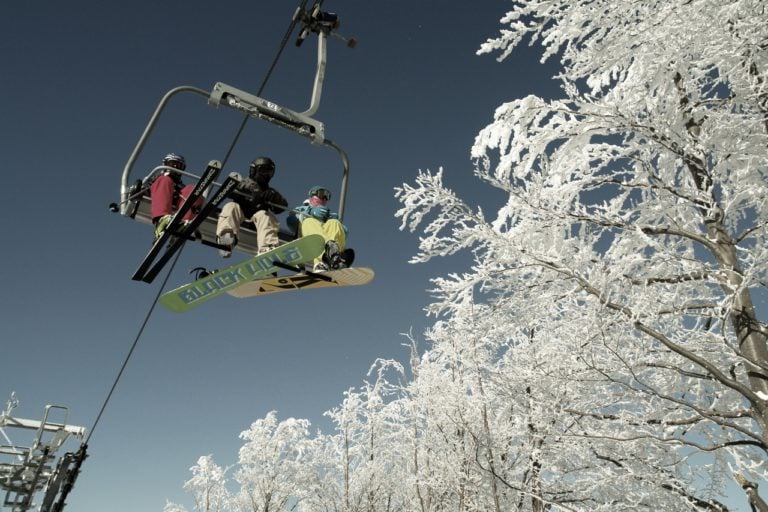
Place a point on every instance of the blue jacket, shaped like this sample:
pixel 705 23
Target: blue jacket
pixel 305 211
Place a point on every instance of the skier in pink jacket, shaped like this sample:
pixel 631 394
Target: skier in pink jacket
pixel 168 193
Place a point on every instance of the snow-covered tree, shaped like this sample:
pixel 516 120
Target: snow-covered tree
pixel 369 439
pixel 627 262
pixel 208 487
pixel 607 349
pixel 272 465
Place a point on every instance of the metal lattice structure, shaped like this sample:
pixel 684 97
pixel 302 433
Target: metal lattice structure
pixel 36 470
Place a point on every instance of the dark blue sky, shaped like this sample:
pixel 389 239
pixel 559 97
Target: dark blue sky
pixel 79 81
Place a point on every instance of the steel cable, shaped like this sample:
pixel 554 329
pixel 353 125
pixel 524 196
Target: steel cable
pixel 283 43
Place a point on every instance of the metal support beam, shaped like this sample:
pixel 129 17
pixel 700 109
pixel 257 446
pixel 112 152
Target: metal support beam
pixel 25 471
pixel 6 421
pixel 254 106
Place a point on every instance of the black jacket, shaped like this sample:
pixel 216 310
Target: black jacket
pixel 253 198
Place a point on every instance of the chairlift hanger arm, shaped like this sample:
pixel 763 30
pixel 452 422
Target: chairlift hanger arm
pixel 254 106
pixel 301 123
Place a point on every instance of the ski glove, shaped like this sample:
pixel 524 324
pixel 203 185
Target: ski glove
pixel 321 213
pixel 275 201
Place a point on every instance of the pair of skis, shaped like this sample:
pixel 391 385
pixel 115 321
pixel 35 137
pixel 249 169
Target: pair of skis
pixel 177 233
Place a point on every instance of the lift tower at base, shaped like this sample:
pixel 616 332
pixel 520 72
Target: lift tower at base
pixel 26 471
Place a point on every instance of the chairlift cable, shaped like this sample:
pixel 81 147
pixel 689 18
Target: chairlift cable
pixel 284 42
pixel 133 346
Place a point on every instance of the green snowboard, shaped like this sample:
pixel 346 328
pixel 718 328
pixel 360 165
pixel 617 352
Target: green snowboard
pixel 193 294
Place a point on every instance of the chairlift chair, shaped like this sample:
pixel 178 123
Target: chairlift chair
pixel 134 193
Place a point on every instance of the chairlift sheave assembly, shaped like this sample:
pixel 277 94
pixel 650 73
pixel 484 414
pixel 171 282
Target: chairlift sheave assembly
pixel 134 193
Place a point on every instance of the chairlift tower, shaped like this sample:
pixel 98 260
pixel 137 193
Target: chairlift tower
pixel 26 471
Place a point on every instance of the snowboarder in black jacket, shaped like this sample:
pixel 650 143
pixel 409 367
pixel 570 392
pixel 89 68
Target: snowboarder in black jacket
pixel 256 202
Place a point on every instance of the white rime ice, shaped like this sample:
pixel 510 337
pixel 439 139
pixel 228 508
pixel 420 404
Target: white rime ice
pixel 606 351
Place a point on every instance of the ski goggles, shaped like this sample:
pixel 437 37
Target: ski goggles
pixel 175 164
pixel 320 193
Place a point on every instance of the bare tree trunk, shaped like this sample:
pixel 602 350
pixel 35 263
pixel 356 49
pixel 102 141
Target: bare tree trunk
pixel 534 477
pixel 371 479
pixel 346 468
pixel 750 488
pixel 416 470
pixel 487 435
pixel 751 335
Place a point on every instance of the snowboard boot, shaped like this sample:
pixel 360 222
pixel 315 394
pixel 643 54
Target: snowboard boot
pixel 331 254
pixel 346 257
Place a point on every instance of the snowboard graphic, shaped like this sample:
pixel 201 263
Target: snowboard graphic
pixel 344 277
pixel 193 294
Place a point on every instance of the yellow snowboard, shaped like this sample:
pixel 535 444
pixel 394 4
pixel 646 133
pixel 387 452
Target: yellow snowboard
pixel 343 277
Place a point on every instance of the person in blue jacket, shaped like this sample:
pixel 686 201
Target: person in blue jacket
pixel 314 217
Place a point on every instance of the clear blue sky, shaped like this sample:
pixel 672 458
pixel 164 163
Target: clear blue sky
pixel 80 79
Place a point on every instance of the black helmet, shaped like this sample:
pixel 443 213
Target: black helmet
pixel 262 168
